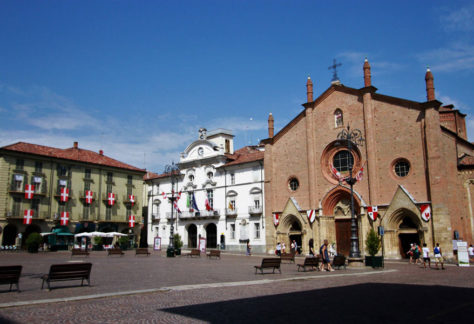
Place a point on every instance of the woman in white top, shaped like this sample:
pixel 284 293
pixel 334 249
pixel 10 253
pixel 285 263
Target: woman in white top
pixel 426 256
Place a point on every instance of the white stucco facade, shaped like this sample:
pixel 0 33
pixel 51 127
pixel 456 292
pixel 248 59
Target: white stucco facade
pixel 231 181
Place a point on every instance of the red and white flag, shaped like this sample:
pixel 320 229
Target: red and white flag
pixel 336 173
pixel 164 195
pixel 208 205
pixel 276 219
pixel 64 218
pixel 131 221
pixel 64 194
pixel 175 205
pixel 132 199
pixel 360 174
pixel 373 212
pixel 111 199
pixel 311 215
pixel 29 191
pixel 426 212
pixel 28 216
pixel 89 196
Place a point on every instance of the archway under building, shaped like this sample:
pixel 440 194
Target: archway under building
pixel 211 236
pixel 192 236
pixel 9 234
pixel 408 234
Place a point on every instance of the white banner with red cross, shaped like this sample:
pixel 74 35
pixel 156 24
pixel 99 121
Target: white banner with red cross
pixel 131 198
pixel 426 212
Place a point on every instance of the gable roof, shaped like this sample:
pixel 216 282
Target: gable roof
pixel 246 154
pixel 72 154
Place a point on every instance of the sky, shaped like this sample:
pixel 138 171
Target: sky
pixel 139 78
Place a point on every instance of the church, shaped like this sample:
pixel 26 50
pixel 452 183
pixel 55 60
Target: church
pixel 410 162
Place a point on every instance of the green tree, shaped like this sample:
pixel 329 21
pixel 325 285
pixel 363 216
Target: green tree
pixel 373 242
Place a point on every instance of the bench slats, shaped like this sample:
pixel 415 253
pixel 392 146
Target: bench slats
pixel 10 275
pixel 62 272
pixel 269 263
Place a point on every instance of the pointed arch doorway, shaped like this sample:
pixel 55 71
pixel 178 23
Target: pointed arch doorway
pixel 291 230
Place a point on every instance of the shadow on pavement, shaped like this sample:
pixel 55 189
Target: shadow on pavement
pixel 364 303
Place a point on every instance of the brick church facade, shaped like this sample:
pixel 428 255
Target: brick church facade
pixel 414 155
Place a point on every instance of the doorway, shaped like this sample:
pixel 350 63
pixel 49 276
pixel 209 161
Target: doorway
pixel 405 239
pixel 192 236
pixel 343 236
pixel 9 234
pixel 211 236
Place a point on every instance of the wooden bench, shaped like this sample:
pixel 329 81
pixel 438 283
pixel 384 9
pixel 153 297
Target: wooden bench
pixel 288 257
pixel 143 251
pixel 193 253
pixel 115 251
pixel 79 252
pixel 10 275
pixel 339 261
pixel 68 271
pixel 214 254
pixel 312 262
pixel 269 263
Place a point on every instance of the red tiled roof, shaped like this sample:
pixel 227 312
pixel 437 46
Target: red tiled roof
pixel 73 154
pixel 244 155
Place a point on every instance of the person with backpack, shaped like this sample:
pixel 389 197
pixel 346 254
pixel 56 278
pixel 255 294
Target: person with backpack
pixel 438 256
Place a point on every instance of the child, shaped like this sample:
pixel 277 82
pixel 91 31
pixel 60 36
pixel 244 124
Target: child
pixel 426 256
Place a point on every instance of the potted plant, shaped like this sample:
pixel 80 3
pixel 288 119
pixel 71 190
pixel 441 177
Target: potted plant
pixel 372 245
pixel 97 244
pixel 178 244
pixel 33 242
pixel 123 242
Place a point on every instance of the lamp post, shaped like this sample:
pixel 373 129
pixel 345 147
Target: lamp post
pixel 173 170
pixel 353 137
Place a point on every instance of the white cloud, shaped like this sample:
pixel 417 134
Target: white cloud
pixel 454 57
pixel 459 19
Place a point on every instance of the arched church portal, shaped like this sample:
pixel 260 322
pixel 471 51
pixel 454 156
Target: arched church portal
pixel 292 230
pixel 337 203
pixel 211 236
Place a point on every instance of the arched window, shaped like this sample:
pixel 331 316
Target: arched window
pixel 338 118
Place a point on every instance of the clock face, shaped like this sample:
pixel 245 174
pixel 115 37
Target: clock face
pixel 200 151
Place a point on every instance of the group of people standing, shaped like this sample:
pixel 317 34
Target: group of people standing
pixel 415 252
pixel 281 248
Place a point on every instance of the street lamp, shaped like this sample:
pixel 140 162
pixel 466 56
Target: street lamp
pixel 173 171
pixel 352 137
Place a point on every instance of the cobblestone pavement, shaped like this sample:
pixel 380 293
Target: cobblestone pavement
pixel 199 290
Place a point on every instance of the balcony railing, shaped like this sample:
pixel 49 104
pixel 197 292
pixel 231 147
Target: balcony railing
pixel 155 217
pixel 231 212
pixel 254 210
pixel 192 215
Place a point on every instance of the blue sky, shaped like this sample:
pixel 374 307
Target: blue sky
pixel 139 78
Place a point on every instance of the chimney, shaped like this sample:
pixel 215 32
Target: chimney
pixel 309 90
pixel 430 90
pixel 76 144
pixel 101 152
pixel 367 76
pixel 270 125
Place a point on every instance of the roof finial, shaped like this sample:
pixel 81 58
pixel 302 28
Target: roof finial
pixel 367 75
pixel 309 90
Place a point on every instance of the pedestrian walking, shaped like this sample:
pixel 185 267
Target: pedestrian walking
pixel 426 256
pixel 411 252
pixel 323 250
pixel 248 248
pixel 438 256
pixel 311 247
pixel 283 247
pixel 417 253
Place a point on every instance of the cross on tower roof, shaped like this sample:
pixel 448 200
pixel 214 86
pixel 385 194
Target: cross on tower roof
pixel 334 67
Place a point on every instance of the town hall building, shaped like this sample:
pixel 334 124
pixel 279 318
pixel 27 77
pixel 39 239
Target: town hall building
pixel 412 160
